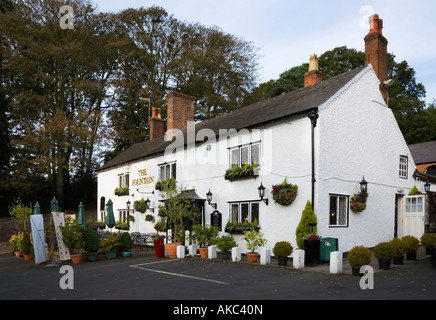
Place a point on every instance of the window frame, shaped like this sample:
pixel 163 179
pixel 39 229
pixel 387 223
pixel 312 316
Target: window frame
pixel 347 208
pixel 249 155
pixel 403 168
pixel 238 205
pixel 167 170
pixel 123 180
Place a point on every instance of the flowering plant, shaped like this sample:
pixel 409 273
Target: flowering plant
pixel 284 193
pixel 254 240
pixel 358 202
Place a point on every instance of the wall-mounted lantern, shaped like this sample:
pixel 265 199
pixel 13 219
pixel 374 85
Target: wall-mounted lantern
pixel 261 191
pixel 363 185
pixel 147 204
pixel 209 199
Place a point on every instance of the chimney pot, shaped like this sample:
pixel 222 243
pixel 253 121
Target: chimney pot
pixel 314 76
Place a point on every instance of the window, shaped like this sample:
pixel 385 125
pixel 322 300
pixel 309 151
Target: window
pixel 123 180
pixel 338 211
pixel 123 215
pixel 244 211
pixel 245 154
pixel 403 167
pixel 414 204
pixel 167 170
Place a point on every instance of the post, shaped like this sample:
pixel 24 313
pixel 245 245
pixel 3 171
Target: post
pixel 236 254
pixel 265 256
pixel 336 262
pixel 211 252
pixel 298 259
pixel 180 252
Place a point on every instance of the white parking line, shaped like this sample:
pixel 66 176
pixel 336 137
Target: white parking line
pixel 140 266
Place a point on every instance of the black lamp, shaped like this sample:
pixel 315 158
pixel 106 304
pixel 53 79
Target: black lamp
pixel 209 199
pixel 128 205
pixel 147 204
pixel 363 185
pixel 427 187
pixel 261 191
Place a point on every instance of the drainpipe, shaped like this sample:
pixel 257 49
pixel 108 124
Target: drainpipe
pixel 313 116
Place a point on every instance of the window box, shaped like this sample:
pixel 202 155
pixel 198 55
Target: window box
pixel 247 171
pixel 169 183
pixel 241 227
pixel 122 191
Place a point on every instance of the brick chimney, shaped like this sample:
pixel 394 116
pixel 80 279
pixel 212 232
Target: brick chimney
pixel 157 124
pixel 313 76
pixel 180 111
pixel 376 50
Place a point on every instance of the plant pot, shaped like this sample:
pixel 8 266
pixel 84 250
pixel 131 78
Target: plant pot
pixel 226 255
pixel 355 272
pixel 76 258
pixel 159 248
pixel 28 257
pixel 432 260
pixel 312 252
pixel 126 254
pixel 384 264
pixel 398 259
pixel 430 251
pixel 111 255
pixel 171 249
pixel 252 257
pixel 204 252
pixel 411 255
pixel 282 261
pixel 18 254
pixel 92 257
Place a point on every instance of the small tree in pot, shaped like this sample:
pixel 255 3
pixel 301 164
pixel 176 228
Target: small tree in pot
pixel 225 245
pixel 359 256
pixel 254 240
pixel 73 239
pixel 91 243
pixel 126 243
pixel 384 252
pixel 399 249
pixel 204 236
pixel 411 245
pixel 282 250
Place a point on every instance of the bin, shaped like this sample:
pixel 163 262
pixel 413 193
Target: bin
pixel 327 246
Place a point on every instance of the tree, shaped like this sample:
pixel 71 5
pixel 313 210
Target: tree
pixel 308 216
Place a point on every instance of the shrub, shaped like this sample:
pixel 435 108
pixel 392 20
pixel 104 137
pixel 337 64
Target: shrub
pixel 282 249
pixel 359 256
pixel 91 239
pixel 26 244
pixel 111 243
pixel 303 228
pixel 72 235
pixel 225 243
pixel 254 240
pixel 428 240
pixel 384 251
pixel 399 247
pixel 204 235
pixel 411 243
pixel 125 240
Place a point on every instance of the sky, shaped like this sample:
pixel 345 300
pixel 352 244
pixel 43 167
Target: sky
pixel 287 32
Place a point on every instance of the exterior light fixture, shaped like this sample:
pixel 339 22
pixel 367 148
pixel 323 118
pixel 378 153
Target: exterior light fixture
pixel 209 199
pixel 261 191
pixel 427 187
pixel 147 204
pixel 128 205
pixel 363 185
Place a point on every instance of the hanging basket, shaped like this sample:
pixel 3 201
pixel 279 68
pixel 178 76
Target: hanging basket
pixel 358 202
pixel 285 193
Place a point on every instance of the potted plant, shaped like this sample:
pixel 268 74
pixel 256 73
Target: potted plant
pixel 26 246
pixel 15 245
pixel 109 245
pixel 73 239
pixel 225 245
pixel 282 250
pixel 254 240
pixel 411 245
pixel 126 243
pixel 158 242
pixel 241 172
pixel 358 256
pixel 149 217
pixel 307 225
pixel 312 248
pixel 91 243
pixel 384 252
pixel 140 205
pixel 399 249
pixel 204 236
pixel 428 240
pixel 284 193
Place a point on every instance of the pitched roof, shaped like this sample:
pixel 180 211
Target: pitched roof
pixel 286 105
pixel 423 152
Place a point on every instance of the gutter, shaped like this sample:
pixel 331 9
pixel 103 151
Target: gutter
pixel 313 116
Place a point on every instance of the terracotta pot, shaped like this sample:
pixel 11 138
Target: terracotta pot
pixel 28 257
pixel 252 257
pixel 171 249
pixel 18 254
pixel 75 258
pixel 204 252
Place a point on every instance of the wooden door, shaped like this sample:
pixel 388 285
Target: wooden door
pixel 413 216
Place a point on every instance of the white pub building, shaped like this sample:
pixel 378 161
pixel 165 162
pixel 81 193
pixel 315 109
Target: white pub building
pixel 326 138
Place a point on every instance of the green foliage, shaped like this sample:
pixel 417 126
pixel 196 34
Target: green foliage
pixel 126 242
pixel 111 243
pixel 241 227
pixel 411 243
pixel 308 216
pixel 384 251
pixel 398 246
pixel 414 191
pixel 25 243
pixel 428 240
pixel 239 172
pixel 359 256
pixel 91 240
pixel 225 243
pixel 254 240
pixel 282 249
pixel 72 235
pixel 204 235
pixel 284 193
pixel 20 213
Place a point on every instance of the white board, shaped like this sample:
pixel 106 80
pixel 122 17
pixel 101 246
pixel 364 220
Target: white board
pixel 58 220
pixel 38 237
